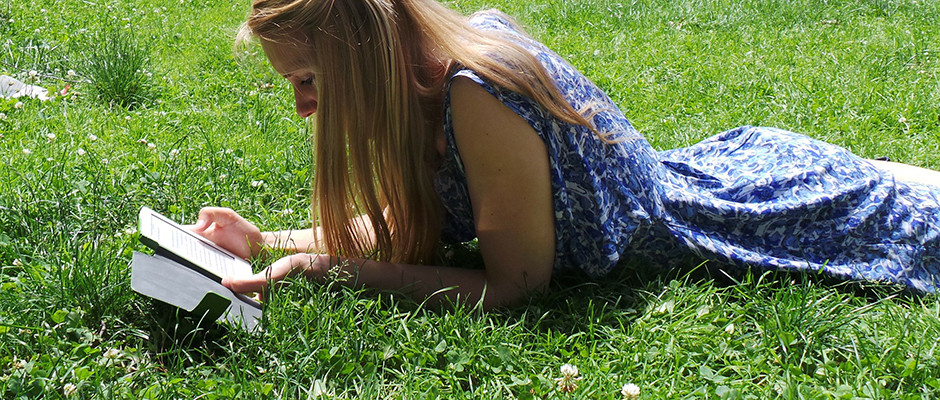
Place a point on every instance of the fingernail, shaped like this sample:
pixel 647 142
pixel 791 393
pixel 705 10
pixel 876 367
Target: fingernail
pixel 200 224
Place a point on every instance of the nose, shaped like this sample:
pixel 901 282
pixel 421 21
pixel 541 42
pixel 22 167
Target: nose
pixel 306 100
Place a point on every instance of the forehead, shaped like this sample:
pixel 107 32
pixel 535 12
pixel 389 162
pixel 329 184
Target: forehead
pixel 288 55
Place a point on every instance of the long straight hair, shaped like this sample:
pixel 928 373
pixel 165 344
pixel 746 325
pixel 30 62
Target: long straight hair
pixel 381 68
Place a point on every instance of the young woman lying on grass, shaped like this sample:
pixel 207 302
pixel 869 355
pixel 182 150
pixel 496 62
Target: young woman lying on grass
pixel 433 127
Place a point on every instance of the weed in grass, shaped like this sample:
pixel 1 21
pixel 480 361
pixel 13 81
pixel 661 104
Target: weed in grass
pixel 117 64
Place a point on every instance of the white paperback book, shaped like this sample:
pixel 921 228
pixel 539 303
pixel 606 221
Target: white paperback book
pixel 176 242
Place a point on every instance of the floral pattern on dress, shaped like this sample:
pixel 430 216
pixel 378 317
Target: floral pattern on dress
pixel 751 196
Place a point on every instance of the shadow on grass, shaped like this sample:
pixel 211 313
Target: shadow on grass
pixel 575 303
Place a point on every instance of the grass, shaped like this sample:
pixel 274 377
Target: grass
pixel 219 129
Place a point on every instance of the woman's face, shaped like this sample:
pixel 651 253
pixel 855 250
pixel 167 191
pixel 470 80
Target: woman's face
pixel 288 59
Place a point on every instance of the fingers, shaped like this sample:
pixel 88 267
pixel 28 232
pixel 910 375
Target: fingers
pixel 274 273
pixel 255 283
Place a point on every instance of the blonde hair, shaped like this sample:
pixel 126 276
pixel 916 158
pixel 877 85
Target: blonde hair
pixel 381 74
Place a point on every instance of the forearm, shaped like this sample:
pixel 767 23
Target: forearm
pixel 311 240
pixel 294 240
pixel 438 285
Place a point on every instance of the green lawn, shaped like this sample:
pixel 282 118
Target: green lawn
pixel 181 120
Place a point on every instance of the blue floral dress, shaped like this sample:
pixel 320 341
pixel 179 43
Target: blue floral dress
pixel 751 196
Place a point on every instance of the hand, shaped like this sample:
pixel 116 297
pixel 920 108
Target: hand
pixel 310 265
pixel 229 230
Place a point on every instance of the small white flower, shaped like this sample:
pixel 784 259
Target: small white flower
pixel 69 389
pixel 27 151
pixel 597 53
pixel 70 73
pixel 50 136
pixel 33 73
pixel 18 105
pixel 113 354
pixel 3 116
pixel 17 263
pixel 151 146
pixel 80 151
pixel 630 391
pixel 104 161
pixel 142 141
pixel 223 176
pixel 19 364
pixel 256 183
pixel 37 31
pixel 92 137
pixel 729 329
pixel 130 231
pixel 149 74
pixel 569 378
pixel 569 370
pixel 902 120
pixel 174 152
pixel 127 117
pixel 42 10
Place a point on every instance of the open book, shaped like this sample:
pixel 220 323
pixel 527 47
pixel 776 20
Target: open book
pixel 187 272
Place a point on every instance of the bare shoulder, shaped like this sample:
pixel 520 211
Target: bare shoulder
pixel 478 115
pixel 509 182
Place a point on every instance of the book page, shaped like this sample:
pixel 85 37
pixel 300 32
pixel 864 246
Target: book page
pixel 178 240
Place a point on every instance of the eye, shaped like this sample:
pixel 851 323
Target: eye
pixel 308 81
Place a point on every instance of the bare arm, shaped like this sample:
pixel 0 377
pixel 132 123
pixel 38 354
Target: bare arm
pixel 304 241
pixel 508 178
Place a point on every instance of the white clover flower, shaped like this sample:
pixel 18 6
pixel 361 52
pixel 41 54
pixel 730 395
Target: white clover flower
pixel 92 137
pixel 50 136
pixel 142 141
pixel 113 354
pixel 569 370
pixel 127 117
pixel 151 146
pixel 105 161
pixel 569 378
pixel 33 73
pixel 18 105
pixel 223 176
pixel 17 263
pixel 42 10
pixel 19 364
pixel 37 31
pixel 630 391
pixel 3 116
pixel 70 74
pixel 256 183
pixel 69 389
pixel 80 152
pixel 902 120
pixel 174 152
pixel 27 151
pixel 130 231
